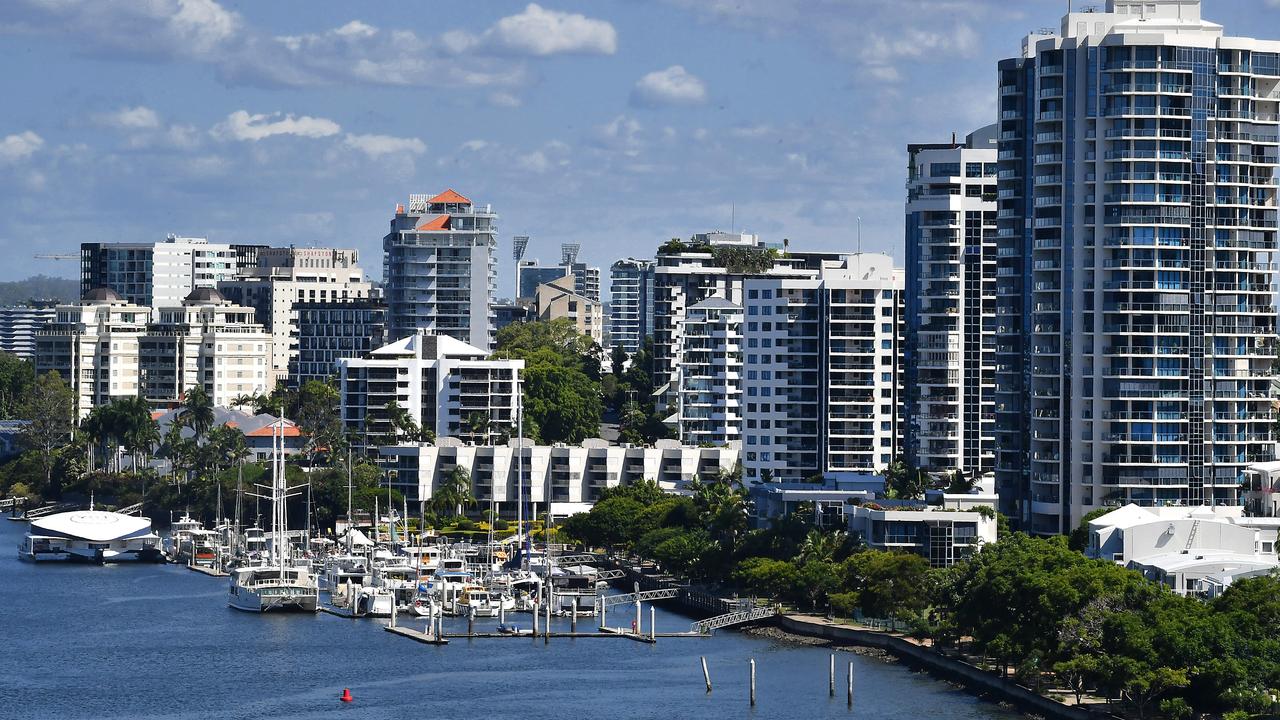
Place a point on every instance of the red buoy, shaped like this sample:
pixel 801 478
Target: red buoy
pixel 346 695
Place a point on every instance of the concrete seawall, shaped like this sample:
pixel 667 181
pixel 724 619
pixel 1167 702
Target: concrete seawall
pixel 975 679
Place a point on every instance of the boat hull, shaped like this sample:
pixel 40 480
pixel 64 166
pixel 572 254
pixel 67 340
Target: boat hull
pixel 283 599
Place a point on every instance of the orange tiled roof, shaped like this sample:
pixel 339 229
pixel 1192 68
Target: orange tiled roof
pixel 290 430
pixel 439 222
pixel 450 196
pixel 157 414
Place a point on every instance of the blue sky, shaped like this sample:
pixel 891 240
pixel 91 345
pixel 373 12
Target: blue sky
pixel 611 123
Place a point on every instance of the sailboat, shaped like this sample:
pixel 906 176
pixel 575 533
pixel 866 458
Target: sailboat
pixel 273 584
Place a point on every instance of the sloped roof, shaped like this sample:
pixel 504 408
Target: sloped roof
pixel 450 196
pixel 429 347
pixel 715 302
pixel 439 222
pixel 204 295
pixel 102 294
pixel 290 430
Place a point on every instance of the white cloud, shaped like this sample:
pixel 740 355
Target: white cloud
pixel 504 99
pixel 475 145
pixel 622 133
pixel 673 86
pixel 21 146
pixel 130 118
pixel 240 125
pixel 539 32
pixel 376 146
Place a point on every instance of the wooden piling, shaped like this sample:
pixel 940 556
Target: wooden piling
pixel 850 684
pixel 753 682
pixel 706 676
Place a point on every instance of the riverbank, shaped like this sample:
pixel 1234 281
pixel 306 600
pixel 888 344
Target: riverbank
pixel 807 629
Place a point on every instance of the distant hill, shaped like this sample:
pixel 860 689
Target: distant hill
pixel 39 287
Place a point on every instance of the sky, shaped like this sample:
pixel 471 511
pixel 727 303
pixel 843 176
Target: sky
pixel 615 124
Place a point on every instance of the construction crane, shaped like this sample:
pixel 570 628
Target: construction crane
pixel 57 256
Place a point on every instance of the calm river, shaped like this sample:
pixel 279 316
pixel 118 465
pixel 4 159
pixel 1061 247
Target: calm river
pixel 156 641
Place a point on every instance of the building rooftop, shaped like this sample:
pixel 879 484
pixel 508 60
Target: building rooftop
pixel 451 197
pixel 102 294
pixel 203 295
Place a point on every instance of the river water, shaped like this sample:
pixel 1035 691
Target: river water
pixel 158 641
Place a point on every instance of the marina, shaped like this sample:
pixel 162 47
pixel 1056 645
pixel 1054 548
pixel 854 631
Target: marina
pixel 220 663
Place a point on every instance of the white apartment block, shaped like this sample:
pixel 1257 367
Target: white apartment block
pixel 444 385
pixel 630 303
pixel 210 342
pixel 159 274
pixel 951 299
pixel 93 345
pixel 18 328
pixel 701 269
pixel 823 371
pixel 709 373
pixel 571 476
pixel 557 300
pixel 286 277
pixel 108 348
pixel 1137 222
pixel 439 269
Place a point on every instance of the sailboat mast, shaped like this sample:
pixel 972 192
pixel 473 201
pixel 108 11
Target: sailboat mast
pixel 520 473
pixel 350 522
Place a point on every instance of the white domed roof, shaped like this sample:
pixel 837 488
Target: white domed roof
pixel 93 525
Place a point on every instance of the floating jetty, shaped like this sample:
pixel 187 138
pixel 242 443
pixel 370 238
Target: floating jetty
pixel 418 635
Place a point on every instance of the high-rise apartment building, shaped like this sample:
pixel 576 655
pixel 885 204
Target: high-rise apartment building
pixel 206 341
pixel 951 305
pixel 630 303
pixel 712 264
pixel 824 362
pixel 108 348
pixel 439 269
pixel 93 346
pixel 160 274
pixel 443 385
pixel 1137 218
pixel 19 325
pixel 709 373
pixel 287 277
pixel 329 331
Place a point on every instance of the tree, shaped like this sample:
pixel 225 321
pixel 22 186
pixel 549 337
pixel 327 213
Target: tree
pixel 767 577
pixel 49 409
pixel 320 417
pixel 196 412
pixel 889 584
pixel 16 378
pixel 961 484
pixel 818 579
pixel 612 521
pixel 903 481
pixel 617 360
pixel 453 492
pixel 1077 673
pixel 562 397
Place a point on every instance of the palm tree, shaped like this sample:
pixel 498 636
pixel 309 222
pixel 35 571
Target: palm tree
pixel 138 431
pixel 241 401
pixel 821 546
pixel 478 426
pixel 454 492
pixel 197 412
